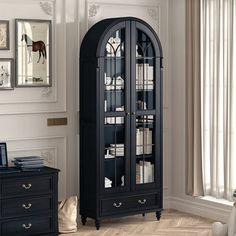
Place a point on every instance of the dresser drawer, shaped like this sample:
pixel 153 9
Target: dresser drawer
pixel 125 204
pixel 26 206
pixel 27 186
pixel 28 226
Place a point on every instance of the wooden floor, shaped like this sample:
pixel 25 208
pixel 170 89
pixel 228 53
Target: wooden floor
pixel 172 223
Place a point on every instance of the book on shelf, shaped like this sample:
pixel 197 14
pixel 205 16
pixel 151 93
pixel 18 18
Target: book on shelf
pixel 144 76
pixel 144 172
pixel 143 141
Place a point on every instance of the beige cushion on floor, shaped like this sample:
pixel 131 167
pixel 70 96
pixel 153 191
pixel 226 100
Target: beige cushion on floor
pixel 232 222
pixel 67 215
pixel 219 229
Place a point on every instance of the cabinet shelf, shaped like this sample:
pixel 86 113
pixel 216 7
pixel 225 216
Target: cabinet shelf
pixel 117 158
pixel 114 58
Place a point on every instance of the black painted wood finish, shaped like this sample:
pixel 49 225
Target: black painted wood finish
pixel 111 116
pixel 29 203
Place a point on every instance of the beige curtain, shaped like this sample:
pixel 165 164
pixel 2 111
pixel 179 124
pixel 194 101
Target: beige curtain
pixel 194 183
pixel 219 97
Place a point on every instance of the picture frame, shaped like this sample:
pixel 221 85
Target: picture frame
pixel 4 35
pixel 33 46
pixel 6 73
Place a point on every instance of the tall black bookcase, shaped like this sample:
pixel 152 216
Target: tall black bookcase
pixel 120 120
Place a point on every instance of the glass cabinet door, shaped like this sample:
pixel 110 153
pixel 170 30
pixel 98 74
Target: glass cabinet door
pixel 145 109
pixel 115 137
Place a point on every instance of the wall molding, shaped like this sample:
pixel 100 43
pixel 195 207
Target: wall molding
pixel 204 208
pixel 93 10
pixel 153 13
pixel 153 10
pixel 47 7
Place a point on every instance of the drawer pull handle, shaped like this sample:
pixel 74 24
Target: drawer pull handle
pixel 142 201
pixel 28 186
pixel 27 207
pixel 117 205
pixel 27 226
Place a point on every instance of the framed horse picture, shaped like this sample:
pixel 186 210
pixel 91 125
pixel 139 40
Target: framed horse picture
pixel 6 73
pixel 33 53
pixel 4 35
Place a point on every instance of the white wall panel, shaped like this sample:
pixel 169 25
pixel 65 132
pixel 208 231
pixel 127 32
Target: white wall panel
pixel 37 100
pixel 24 111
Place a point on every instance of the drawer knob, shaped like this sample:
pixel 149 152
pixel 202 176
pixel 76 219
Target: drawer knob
pixel 117 205
pixel 28 206
pixel 27 226
pixel 142 201
pixel 28 186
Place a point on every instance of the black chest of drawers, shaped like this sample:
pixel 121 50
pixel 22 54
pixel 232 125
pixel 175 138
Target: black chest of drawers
pixel 28 203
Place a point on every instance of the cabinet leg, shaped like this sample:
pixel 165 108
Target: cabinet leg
pixel 97 224
pixel 83 220
pixel 158 215
pixel 143 214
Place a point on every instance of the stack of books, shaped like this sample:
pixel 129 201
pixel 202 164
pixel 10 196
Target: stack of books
pixel 29 163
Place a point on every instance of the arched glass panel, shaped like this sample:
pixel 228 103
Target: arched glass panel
pixel 114 72
pixel 145 73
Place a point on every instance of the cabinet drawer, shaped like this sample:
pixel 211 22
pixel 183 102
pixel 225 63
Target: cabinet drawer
pixel 26 206
pixel 27 186
pixel 128 203
pixel 28 226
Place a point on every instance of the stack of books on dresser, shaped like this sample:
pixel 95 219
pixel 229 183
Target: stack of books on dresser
pixel 29 163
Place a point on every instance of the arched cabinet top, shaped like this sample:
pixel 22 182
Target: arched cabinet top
pixel 95 41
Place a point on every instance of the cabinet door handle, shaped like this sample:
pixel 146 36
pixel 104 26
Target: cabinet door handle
pixel 142 201
pixel 27 226
pixel 28 186
pixel 127 113
pixel 117 205
pixel 28 206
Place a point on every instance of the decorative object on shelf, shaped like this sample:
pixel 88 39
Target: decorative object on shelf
pixel 4 35
pixel 108 183
pixel 33 53
pixel 108 155
pixel 6 73
pixel 114 46
pixel 114 83
pixel 121 120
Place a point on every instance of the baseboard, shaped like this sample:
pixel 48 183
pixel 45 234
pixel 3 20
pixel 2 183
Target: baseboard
pixel 215 211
